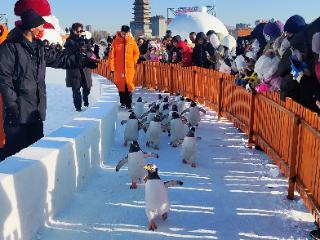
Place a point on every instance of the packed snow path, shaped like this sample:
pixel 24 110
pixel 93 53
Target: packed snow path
pixel 234 193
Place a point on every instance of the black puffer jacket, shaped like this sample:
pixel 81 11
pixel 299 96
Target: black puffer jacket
pixel 199 55
pixel 22 77
pixel 74 76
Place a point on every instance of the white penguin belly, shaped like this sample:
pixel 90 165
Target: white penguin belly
pixel 166 120
pixel 176 130
pixel 153 133
pixel 139 109
pixel 150 117
pixel 156 198
pixel 131 132
pixel 188 151
pixel 181 106
pixel 136 165
pixel 194 116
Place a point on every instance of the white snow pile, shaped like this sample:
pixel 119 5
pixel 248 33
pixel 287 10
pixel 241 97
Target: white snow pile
pixel 196 22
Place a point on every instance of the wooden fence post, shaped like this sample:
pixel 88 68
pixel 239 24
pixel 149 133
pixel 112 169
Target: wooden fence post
pixel 194 77
pixel 171 80
pixel 251 120
pixel 220 98
pixel 293 157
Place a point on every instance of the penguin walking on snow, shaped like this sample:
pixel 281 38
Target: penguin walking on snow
pixel 194 114
pixel 139 108
pixel 181 104
pixel 136 162
pixel 131 131
pixel 156 196
pixel 189 148
pixel 154 133
pixel 176 130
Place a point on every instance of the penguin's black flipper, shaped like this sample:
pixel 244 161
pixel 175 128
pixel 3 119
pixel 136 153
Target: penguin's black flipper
pixel 173 183
pixel 185 111
pixel 123 122
pixel 121 163
pixel 202 110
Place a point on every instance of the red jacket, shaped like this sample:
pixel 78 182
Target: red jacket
pixel 186 54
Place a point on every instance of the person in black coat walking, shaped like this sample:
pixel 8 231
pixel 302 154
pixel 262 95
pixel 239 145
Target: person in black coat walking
pixel 204 53
pixel 81 77
pixel 23 62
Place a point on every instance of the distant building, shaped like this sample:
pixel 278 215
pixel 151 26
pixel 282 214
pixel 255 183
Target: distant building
pixel 89 28
pixel 159 26
pixel 242 25
pixel 141 24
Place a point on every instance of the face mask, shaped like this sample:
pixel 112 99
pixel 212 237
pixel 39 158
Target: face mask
pixel 40 35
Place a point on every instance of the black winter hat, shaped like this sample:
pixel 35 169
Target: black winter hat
pixel 200 35
pixel 294 24
pixel 31 19
pixel 125 28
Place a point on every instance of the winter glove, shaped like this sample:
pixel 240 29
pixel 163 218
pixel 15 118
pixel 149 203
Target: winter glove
pixel 12 115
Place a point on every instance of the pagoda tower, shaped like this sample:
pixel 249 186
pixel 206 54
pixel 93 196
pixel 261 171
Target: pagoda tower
pixel 141 24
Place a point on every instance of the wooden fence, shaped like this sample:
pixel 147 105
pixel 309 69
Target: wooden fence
pixel 285 130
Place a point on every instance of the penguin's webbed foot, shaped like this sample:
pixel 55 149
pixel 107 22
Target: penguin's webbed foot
pixel 164 216
pixel 133 186
pixel 152 226
pixel 193 165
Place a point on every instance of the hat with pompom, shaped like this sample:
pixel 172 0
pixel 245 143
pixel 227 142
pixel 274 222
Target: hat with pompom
pixel 41 7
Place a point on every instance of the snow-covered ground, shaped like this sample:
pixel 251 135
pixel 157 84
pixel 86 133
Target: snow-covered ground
pixel 234 193
pixel 60 109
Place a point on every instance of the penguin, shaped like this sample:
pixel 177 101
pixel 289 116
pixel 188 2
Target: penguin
pixel 139 108
pixel 153 133
pixel 194 114
pixel 176 130
pixel 174 108
pixel 177 97
pixel 160 99
pixel 181 104
pixel 148 117
pixel 165 117
pixel 136 162
pixel 156 196
pixel 188 151
pixel 164 102
pixel 131 131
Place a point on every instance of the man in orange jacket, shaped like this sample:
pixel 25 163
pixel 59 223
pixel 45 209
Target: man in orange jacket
pixel 122 60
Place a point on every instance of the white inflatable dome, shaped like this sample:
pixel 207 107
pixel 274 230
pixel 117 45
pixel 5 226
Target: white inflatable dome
pixel 196 22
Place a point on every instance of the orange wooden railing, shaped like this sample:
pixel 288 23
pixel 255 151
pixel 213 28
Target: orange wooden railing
pixel 285 130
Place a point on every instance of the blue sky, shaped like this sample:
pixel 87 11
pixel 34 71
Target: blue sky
pixel 110 15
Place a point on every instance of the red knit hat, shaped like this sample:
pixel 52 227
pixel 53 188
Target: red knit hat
pixel 42 7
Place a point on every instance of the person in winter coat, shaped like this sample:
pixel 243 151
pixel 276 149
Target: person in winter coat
pixel 301 44
pixel 143 48
pixel 204 53
pixel 23 62
pixel 81 77
pixel 186 52
pixel 123 57
pixel 3 37
pixel 289 87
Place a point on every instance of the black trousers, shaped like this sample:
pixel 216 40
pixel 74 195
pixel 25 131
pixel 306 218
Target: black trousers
pixel 21 136
pixel 126 98
pixel 77 97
